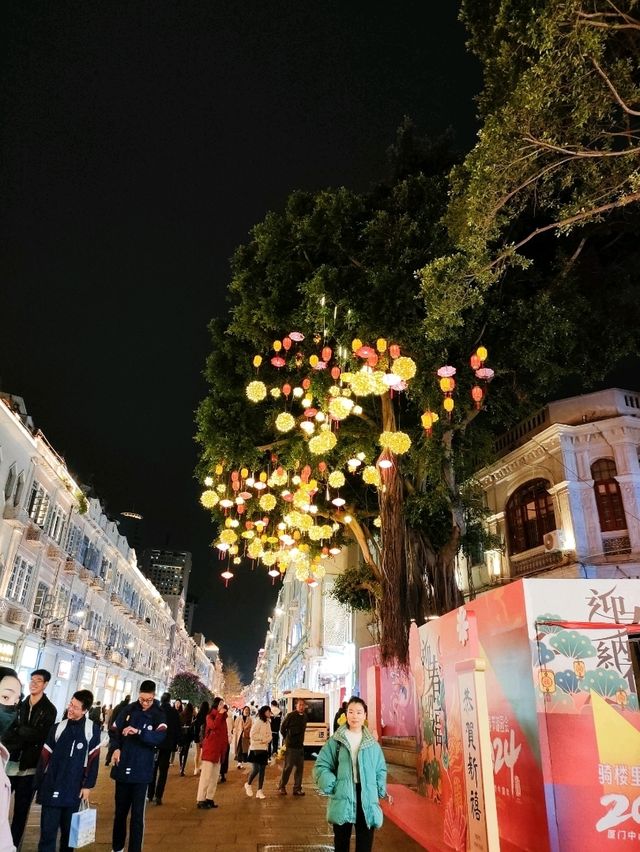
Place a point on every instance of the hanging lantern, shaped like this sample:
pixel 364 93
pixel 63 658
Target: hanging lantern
pixel 476 395
pixel 381 344
pixel 299 359
pixel 428 419
pixel 482 353
pixel 326 353
pixel 298 336
pixel 364 352
pixel 372 360
pixel 313 360
pixel 286 343
pixel 448 404
pixel 226 576
pixel 394 350
pixel 277 345
pixel 286 389
pixel 475 362
pixel 356 343
pixel 447 384
pixel 485 374
pixel 277 361
pixel 446 371
pixel 306 383
pixel 335 373
pixel 257 360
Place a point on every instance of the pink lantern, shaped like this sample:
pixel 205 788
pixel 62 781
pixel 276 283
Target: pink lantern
pixel 320 365
pixel 446 372
pixel 277 361
pixel 365 352
pixel 298 336
pixel 485 374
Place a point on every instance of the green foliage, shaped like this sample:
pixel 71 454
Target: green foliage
pixel 187 686
pixel 559 148
pixel 357 588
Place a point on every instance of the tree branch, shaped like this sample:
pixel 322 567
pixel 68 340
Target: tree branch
pixel 581 153
pixel 613 89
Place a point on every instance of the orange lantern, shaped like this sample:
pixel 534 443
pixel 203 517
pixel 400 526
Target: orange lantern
pixel 394 350
pixel 476 395
pixel 475 362
pixel 335 373
pixel 326 353
pixel 286 389
pixel 286 342
pixel 306 383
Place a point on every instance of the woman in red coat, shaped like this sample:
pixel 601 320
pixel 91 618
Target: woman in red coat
pixel 214 748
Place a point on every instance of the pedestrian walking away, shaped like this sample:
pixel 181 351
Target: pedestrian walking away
pixel 242 736
pixel 186 735
pixel 158 782
pixel 351 770
pixel 10 690
pixel 117 710
pixel 276 721
pixel 139 729
pixel 214 748
pixel 292 729
pixel 67 771
pixel 341 716
pixel 24 741
pixel 259 750
pixel 198 733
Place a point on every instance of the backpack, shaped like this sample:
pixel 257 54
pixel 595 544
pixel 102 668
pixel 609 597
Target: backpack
pixel 88 732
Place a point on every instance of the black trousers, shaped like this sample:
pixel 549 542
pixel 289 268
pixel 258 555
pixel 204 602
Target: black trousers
pixel 224 765
pixel 364 835
pixel 293 760
pixel 23 787
pixel 53 820
pixel 160 772
pixel 129 797
pixel 273 745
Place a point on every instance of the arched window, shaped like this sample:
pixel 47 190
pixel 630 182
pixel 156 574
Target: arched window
pixel 608 496
pixel 529 515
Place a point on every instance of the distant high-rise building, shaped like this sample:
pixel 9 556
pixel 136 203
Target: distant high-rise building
pixel 168 570
pixel 130 526
pixel 190 608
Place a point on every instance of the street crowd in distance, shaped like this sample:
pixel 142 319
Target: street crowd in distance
pixel 58 763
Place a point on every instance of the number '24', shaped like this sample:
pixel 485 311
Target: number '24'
pixel 618 812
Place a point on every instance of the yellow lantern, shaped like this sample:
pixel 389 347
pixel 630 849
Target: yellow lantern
pixel 356 343
pixel 219 469
pixel 381 344
pixel 313 360
pixel 257 360
pixel 448 404
pixel 244 473
pixel 482 353
pixel 277 345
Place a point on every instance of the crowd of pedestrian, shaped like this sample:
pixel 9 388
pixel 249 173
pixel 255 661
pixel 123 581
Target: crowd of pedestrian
pixel 58 763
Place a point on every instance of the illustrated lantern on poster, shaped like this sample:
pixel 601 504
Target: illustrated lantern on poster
pixel 547 681
pixel 579 668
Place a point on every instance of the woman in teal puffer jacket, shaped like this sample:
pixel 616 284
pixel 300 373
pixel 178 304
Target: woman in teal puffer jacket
pixel 350 769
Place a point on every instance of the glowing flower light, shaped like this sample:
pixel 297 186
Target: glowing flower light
pixel 397 442
pixel 209 499
pixel 256 391
pixel 267 502
pixel 336 479
pixel 285 422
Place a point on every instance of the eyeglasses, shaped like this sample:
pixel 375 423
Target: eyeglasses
pixel 146 700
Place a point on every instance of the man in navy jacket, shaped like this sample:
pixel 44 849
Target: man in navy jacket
pixel 139 729
pixel 67 771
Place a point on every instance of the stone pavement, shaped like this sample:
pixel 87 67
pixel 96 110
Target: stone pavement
pixel 240 824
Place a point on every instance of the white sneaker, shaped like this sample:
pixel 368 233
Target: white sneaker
pixel 260 795
pixel 248 790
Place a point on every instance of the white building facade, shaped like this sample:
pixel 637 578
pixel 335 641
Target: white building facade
pixel 564 495
pixel 72 599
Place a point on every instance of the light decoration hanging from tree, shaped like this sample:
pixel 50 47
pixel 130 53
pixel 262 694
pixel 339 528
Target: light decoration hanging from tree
pixel 293 515
pixel 447 384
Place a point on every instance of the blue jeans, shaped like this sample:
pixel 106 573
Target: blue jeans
pixel 129 797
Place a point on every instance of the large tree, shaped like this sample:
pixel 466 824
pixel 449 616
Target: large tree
pixel 559 150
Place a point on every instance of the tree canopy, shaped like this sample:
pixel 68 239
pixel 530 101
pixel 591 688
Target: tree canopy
pixel 559 147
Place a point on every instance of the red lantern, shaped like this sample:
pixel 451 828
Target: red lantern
pixel 286 389
pixel 322 467
pixel 240 508
pixel 394 350
pixel 234 475
pixel 277 361
pixel 475 362
pixel 335 373
pixel 326 353
pixel 306 383
pixel 476 394
pixel 372 360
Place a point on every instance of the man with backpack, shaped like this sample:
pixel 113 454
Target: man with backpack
pixel 67 771
pixel 135 734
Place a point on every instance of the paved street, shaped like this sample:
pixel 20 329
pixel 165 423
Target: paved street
pixel 239 824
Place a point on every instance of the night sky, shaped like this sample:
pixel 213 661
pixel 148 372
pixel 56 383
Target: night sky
pixel 140 142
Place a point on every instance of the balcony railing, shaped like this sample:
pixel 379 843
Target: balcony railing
pixel 16 516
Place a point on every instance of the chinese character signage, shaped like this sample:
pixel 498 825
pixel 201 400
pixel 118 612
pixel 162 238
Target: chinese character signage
pixel 482 823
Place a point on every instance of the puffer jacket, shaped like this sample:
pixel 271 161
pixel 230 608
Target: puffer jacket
pixel 216 737
pixel 137 751
pixel 333 773
pixel 260 735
